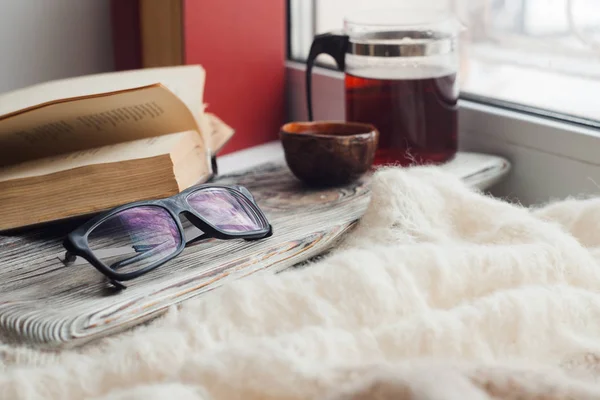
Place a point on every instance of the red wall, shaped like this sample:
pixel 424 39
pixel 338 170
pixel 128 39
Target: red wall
pixel 241 44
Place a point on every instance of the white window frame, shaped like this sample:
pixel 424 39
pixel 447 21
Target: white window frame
pixel 551 158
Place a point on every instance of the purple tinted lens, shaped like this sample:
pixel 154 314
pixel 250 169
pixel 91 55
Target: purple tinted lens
pixel 133 239
pixel 226 210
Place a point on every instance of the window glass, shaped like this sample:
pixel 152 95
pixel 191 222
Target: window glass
pixel 541 54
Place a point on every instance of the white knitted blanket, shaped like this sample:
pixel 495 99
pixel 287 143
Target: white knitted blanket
pixel 439 293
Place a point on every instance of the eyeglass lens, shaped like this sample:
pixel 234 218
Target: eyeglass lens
pixel 134 239
pixel 226 210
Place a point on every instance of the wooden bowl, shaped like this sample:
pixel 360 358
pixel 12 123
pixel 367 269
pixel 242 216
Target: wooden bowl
pixel 328 153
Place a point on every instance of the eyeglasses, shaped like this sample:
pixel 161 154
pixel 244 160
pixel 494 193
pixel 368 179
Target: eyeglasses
pixel 131 240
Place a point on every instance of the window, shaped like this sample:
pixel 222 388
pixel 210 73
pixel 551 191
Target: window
pixel 542 56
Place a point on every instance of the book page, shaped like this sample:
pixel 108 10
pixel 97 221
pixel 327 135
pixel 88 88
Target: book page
pixel 186 82
pixel 219 134
pixel 92 121
pixel 143 148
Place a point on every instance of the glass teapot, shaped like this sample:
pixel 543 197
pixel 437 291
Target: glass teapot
pixel 401 76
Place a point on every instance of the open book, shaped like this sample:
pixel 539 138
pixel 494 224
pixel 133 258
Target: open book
pixel 82 145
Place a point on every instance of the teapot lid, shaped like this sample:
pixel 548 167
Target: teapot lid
pixel 403 32
pixel 402 44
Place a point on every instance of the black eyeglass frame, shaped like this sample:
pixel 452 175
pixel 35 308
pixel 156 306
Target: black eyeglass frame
pixel 76 242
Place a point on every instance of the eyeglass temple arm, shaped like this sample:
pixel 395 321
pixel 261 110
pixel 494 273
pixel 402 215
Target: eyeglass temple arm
pixel 198 238
pixel 71 257
pixel 149 250
pixel 145 251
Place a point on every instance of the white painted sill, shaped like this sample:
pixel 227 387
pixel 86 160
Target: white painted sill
pixel 479 171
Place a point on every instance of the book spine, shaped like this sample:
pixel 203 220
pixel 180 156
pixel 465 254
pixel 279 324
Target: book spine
pixel 127 50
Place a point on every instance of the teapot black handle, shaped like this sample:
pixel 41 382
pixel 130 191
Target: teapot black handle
pixel 329 43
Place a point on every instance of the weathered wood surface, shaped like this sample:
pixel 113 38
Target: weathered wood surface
pixel 45 303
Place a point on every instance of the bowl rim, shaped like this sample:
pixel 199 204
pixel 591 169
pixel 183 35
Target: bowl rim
pixel 369 129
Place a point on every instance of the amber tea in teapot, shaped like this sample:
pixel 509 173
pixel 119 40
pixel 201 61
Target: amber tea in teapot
pixel 417 118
